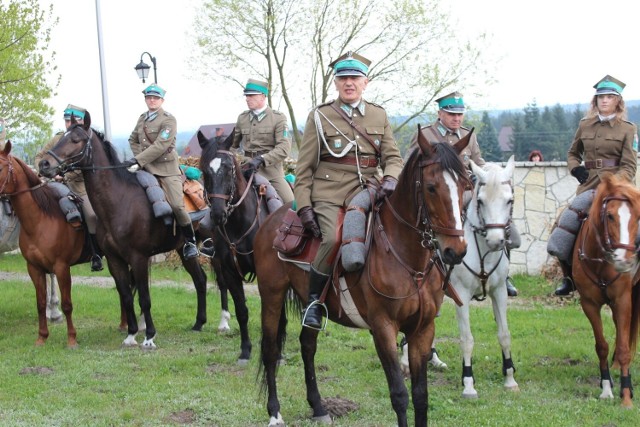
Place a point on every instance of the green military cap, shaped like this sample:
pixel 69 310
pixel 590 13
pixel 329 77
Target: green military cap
pixel 75 111
pixel 256 87
pixel 154 90
pixel 451 103
pixel 351 64
pixel 609 86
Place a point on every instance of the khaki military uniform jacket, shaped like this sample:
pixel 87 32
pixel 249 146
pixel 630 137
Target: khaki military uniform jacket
pixel 323 181
pixel 266 135
pixel 153 144
pixel 596 141
pixel 73 179
pixel 437 132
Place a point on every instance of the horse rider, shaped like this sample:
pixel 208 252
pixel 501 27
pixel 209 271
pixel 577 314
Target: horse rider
pixel 75 181
pixel 605 143
pixel 336 158
pixel 153 143
pixel 448 127
pixel 265 138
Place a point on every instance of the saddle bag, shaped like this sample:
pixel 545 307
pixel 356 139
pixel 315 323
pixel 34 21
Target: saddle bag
pixel 195 194
pixel 291 237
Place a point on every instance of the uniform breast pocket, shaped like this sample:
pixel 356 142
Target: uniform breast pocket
pixel 375 133
pixel 336 138
pixel 327 174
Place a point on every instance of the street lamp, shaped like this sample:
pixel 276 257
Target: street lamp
pixel 143 68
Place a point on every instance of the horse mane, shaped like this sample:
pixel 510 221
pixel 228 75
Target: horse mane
pixel 45 197
pixel 114 159
pixel 449 160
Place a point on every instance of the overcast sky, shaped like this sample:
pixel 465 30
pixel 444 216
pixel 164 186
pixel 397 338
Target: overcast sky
pixel 552 51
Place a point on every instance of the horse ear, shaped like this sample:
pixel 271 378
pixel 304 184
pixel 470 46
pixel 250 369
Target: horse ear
pixel 227 142
pixel 462 144
pixel 202 140
pixel 423 142
pixel 87 121
pixel 510 165
pixel 7 148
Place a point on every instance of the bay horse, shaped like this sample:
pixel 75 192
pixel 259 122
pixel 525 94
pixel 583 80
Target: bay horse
pixel 236 210
pixel 485 267
pixel 605 271
pixel 48 243
pixel 400 288
pixel 128 232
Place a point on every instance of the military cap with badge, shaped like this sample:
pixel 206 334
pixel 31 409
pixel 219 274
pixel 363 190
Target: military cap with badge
pixel 256 87
pixel 609 86
pixel 154 90
pixel 452 103
pixel 74 111
pixel 350 64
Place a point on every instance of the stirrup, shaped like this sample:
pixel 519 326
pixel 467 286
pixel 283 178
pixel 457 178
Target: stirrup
pixel 96 263
pixel 325 317
pixel 207 249
pixel 189 250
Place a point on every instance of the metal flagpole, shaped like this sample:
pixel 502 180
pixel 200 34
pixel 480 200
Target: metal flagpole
pixel 103 77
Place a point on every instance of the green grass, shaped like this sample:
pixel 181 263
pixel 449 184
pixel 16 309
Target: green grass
pixel 192 378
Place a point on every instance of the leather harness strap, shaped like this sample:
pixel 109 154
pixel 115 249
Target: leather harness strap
pixel 357 128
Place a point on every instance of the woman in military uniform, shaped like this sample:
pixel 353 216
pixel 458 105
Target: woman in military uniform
pixel 605 143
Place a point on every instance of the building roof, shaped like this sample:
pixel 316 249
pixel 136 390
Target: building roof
pixel 193 147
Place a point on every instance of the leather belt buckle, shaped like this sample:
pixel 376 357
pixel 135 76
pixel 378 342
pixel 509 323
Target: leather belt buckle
pixel 364 161
pixel 598 163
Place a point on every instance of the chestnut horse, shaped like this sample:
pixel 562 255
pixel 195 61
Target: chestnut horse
pixel 47 241
pixel 605 271
pixel 128 232
pixel 400 288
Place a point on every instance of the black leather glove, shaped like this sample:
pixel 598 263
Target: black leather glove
pixel 252 166
pixel 386 188
pixel 580 173
pixel 308 218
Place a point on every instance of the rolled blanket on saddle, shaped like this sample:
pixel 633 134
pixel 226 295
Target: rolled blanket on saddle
pixel 354 228
pixel 563 237
pixel 68 201
pixel 161 207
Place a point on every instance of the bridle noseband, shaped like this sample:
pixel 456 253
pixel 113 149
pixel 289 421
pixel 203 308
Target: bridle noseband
pixel 230 206
pixel 71 163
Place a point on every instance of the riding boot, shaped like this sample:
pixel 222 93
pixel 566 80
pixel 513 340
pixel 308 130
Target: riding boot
pixel 312 316
pixel 567 286
pixel 96 259
pixel 189 250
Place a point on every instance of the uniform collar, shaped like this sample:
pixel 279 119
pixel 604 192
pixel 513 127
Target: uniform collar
pixel 258 114
pixel 348 108
pixel 150 116
pixel 444 130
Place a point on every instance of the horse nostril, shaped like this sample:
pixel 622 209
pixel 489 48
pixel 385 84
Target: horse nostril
pixel 451 257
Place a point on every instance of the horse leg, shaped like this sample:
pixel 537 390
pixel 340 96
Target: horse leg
pixel 384 338
pixel 225 315
pixel 308 347
pixel 199 278
pixel 53 300
pixel 140 271
pixel 63 276
pixel 622 315
pixel 592 310
pixel 499 303
pixel 466 345
pixel 234 281
pixel 119 270
pixel 420 346
pixel 39 282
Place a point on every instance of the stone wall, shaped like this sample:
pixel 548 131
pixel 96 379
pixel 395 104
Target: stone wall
pixel 542 190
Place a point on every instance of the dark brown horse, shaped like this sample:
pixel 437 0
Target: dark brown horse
pixel 48 242
pixel 237 210
pixel 605 271
pixel 128 232
pixel 400 288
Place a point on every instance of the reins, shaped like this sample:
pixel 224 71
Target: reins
pixel 11 176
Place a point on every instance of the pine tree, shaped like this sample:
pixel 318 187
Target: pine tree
pixel 488 140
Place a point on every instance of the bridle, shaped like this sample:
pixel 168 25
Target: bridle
pixel 11 178
pixel 72 162
pixel 483 226
pixel 230 206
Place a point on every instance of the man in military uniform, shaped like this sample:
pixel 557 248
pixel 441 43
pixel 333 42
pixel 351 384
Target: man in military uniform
pixel 153 143
pixel 605 143
pixel 448 128
pixel 335 160
pixel 265 138
pixel 75 181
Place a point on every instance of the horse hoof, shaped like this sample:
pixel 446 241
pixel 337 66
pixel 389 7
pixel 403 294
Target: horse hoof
pixel 130 341
pixel 148 344
pixel 325 419
pixel 224 329
pixel 56 320
pixel 276 421
pixel 243 362
pixel 513 388
pixel 470 394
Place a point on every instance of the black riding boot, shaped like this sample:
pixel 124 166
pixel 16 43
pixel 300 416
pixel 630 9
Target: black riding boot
pixel 312 316
pixel 567 286
pixel 96 259
pixel 189 250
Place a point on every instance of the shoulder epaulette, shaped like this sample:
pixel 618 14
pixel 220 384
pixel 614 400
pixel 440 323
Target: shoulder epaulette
pixel 60 133
pixel 374 104
pixel 277 112
pixel 331 101
pixel 627 121
pixel 168 114
pixel 465 128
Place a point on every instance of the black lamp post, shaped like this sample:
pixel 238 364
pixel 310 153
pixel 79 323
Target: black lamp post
pixel 143 68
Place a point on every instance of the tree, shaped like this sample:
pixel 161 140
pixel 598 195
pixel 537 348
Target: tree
pixel 405 39
pixel 26 68
pixel 488 140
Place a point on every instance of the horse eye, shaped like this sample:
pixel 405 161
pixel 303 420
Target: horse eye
pixel 610 216
pixel 431 188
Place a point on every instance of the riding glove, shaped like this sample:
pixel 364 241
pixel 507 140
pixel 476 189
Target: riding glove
pixel 580 173
pixel 252 166
pixel 308 218
pixel 386 188
pixel 131 164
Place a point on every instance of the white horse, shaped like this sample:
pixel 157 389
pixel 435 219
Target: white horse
pixel 485 266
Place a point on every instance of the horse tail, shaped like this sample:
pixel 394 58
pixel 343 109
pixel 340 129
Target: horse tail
pixel 635 320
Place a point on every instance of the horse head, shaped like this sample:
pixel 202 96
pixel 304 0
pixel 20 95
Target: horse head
pixel 440 179
pixel 72 150
pixel 221 173
pixel 491 208
pixel 615 214
pixel 6 170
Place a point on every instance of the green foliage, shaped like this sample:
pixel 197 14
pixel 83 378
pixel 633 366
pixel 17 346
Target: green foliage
pixel 488 140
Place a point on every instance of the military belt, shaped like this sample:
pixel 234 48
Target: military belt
pixel 253 154
pixel 365 161
pixel 601 163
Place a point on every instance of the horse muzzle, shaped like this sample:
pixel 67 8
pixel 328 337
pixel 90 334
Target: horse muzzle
pixel 46 169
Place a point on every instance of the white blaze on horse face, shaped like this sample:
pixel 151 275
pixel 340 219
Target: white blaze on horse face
pixel 451 182
pixel 215 164
pixel 624 217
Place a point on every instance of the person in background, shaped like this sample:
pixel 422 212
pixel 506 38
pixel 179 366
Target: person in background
pixel 448 128
pixel 331 155
pixel 153 143
pixel 605 143
pixel 75 181
pixel 265 138
pixel 535 156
